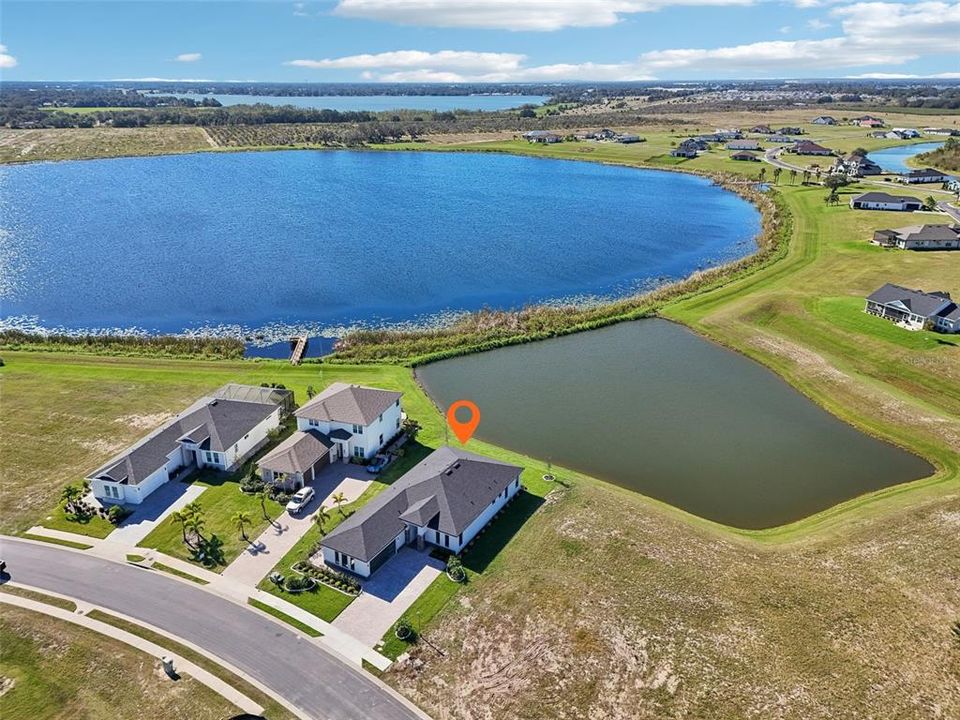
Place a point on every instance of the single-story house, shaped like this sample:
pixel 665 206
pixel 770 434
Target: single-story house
pixel 781 139
pixel 541 136
pixel 728 134
pixel 915 309
pixel 856 165
pixel 627 139
pixel 219 431
pixel 585 135
pixel 444 500
pixel 926 175
pixel 744 155
pixel 868 121
pixel 743 145
pixel 762 129
pixel 605 134
pixel 684 151
pixel 941 131
pixel 920 237
pixel 907 133
pixel 297 460
pixel 807 147
pixel 356 420
pixel 884 201
pixel 790 131
pixel 824 120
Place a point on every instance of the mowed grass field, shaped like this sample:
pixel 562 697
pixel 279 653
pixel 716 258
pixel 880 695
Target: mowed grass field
pixel 53 669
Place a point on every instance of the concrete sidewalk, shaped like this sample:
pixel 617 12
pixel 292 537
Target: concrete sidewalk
pixel 181 665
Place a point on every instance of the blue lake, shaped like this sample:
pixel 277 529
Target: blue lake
pixel 376 103
pixel 318 241
pixel 894 159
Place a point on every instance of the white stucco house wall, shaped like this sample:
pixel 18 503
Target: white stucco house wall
pixel 358 420
pixel 219 431
pixel 445 500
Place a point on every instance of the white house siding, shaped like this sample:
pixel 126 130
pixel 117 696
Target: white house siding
pixel 252 440
pixel 366 438
pixel 136 494
pixel 355 566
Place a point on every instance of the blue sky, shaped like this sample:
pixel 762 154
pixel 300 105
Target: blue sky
pixel 477 40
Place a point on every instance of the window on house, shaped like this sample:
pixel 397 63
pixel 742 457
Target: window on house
pixel 460 539
pixel 446 541
pixel 398 423
pixel 380 419
pixel 313 423
pixel 358 429
pixel 381 439
pixel 358 452
pixel 397 403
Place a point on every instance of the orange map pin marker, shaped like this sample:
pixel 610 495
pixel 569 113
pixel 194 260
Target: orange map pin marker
pixel 463 430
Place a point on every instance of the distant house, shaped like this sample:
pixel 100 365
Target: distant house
pixel 781 139
pixel 356 421
pixel 868 121
pixel 743 145
pixel 906 133
pixel 605 134
pixel 684 151
pixel 941 131
pixel 762 129
pixel 585 135
pixel 790 131
pixel 824 120
pixel 744 155
pixel 915 309
pixel 806 147
pixel 926 175
pixel 445 500
pixel 219 431
pixel 541 136
pixel 885 201
pixel 723 135
pixel 628 139
pixel 857 165
pixel 920 237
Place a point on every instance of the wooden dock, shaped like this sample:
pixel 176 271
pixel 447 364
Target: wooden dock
pixel 299 343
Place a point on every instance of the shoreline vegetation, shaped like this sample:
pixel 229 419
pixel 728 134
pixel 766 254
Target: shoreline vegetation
pixel 164 346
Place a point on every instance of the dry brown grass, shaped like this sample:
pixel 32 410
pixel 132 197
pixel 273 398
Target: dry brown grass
pixel 80 143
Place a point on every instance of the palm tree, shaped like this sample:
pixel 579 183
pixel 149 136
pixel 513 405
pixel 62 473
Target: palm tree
pixel 793 177
pixel 321 517
pixel 339 499
pixel 241 520
pixel 262 497
pixel 806 176
pixel 182 517
pixel 776 175
pixel 763 174
pixel 196 523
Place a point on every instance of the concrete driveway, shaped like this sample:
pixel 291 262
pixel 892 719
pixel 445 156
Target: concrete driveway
pixel 388 594
pixel 252 565
pixel 163 501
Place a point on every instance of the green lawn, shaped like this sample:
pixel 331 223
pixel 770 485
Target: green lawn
pixel 53 669
pixel 94 526
pixel 219 502
pixel 847 313
pixel 282 616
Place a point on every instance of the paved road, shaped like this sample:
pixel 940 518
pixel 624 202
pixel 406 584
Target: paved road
pixel 295 668
pixel 951 210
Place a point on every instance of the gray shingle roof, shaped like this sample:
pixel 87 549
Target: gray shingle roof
pixel 353 404
pixel 297 453
pixel 925 232
pixel 883 197
pixel 446 491
pixel 916 301
pixel 213 424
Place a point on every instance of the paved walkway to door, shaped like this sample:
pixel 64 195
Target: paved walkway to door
pixel 388 594
pixel 278 539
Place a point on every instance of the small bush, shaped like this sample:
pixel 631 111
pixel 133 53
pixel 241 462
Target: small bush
pixel 296 583
pixel 405 631
pixel 117 513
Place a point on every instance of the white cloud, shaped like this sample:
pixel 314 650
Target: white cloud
pixel 874 33
pixel 905 76
pixel 160 79
pixel 785 30
pixel 817 24
pixel 300 9
pixel 6 60
pixel 188 57
pixel 536 15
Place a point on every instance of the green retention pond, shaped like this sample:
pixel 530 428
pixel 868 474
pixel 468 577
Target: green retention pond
pixel 653 407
